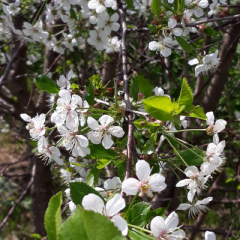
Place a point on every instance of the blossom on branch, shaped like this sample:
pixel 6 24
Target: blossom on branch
pixel 146 183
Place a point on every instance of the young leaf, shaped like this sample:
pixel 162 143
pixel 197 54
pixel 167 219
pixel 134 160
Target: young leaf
pixel 156 7
pixel 159 107
pixel 99 151
pixel 198 113
pixel 78 190
pixel 46 84
pixel 89 93
pixel 53 218
pixel 193 156
pixel 138 214
pixel 89 225
pixel 184 44
pixel 73 228
pixel 101 163
pixel 149 146
pixel 186 96
pixel 92 177
pixel 209 31
pixel 142 85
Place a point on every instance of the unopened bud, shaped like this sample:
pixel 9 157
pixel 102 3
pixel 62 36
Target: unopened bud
pixel 146 134
pixel 143 123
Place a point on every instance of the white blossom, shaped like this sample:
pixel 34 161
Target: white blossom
pixel 167 229
pixel 146 183
pixel 104 131
pixel 113 207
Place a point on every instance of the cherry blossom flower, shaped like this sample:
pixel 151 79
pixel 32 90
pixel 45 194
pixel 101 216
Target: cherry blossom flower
pixel 109 23
pixel 214 158
pixel 198 6
pixel 168 31
pixel 66 110
pixel 197 208
pixel 48 153
pixel 35 126
pixel 98 39
pixel 104 131
pixel 146 183
pixel 210 62
pixel 114 205
pixel 195 183
pixel 100 6
pixel 36 31
pixel 64 82
pixel 216 128
pixel 72 141
pixel 166 229
pixel 113 45
pixel 13 8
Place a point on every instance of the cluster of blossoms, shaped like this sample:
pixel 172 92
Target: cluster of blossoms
pixel 86 13
pixel 197 180
pixel 174 26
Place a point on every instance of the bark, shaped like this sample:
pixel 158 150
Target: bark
pixel 216 86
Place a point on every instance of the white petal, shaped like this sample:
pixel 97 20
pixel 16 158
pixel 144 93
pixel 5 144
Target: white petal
pixel 211 118
pixel 142 170
pixel 210 235
pixel 204 201
pixel 116 131
pixel 25 117
pixel 172 23
pixel 94 137
pixel 183 183
pixel 193 61
pixel 121 224
pixel 105 120
pixel 115 205
pixel 83 141
pixel 153 46
pixel 157 182
pixel 177 32
pixel 219 125
pixel 92 123
pixel 184 206
pixel 130 186
pixel 171 221
pixel 107 141
pixel 191 171
pixel 157 226
pixel 94 203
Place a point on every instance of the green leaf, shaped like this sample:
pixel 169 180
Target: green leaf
pixel 53 218
pixel 73 14
pixel 46 84
pixel 186 96
pixel 101 163
pixel 184 44
pixel 159 107
pixel 154 213
pixel 209 31
pixel 78 190
pixel 149 146
pixel 89 93
pixel 89 225
pixel 142 85
pixel 198 113
pixel 138 214
pixel 92 177
pixel 156 7
pixel 99 151
pixel 193 156
pixel 73 228
pixel 130 4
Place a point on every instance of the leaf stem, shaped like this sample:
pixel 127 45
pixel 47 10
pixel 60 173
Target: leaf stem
pixel 142 229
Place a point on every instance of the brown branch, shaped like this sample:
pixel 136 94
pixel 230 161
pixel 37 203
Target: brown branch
pixel 126 92
pixel 21 197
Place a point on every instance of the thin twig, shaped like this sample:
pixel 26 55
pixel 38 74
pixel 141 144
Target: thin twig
pixel 23 194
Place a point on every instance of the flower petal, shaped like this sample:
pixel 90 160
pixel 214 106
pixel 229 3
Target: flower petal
pixel 94 203
pixel 115 205
pixel 142 170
